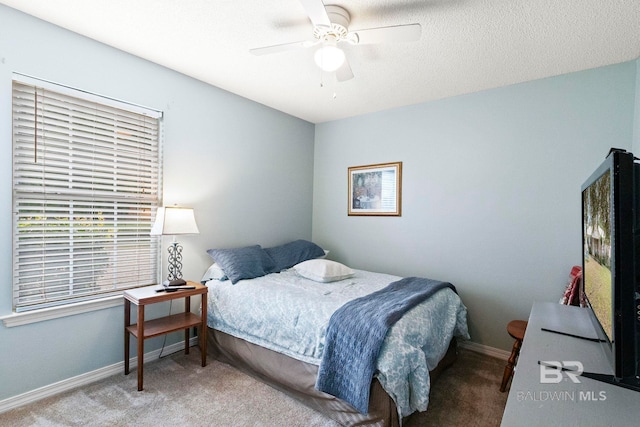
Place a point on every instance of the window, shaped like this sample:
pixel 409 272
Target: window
pixel 86 185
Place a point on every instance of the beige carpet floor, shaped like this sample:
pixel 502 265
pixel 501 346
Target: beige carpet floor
pixel 178 391
pixel 466 394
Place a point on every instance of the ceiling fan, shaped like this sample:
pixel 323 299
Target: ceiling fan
pixel 331 27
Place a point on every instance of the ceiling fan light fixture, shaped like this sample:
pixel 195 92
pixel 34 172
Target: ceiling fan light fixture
pixel 329 57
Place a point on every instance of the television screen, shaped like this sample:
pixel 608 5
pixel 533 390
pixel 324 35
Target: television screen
pixel 611 268
pixel 597 238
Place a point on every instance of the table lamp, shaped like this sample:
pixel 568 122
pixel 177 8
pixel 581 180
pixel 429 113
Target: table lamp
pixel 171 221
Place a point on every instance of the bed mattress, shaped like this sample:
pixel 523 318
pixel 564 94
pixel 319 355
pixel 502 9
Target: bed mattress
pixel 288 314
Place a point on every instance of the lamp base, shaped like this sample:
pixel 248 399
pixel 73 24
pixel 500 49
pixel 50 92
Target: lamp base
pixel 175 261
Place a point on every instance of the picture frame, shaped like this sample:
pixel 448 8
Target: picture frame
pixel 375 190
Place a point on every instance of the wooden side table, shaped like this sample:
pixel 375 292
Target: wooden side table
pixel 152 328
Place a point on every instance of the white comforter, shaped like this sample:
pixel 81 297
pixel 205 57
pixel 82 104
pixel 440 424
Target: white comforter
pixel 289 314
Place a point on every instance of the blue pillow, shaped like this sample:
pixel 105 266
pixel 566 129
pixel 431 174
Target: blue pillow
pixel 242 263
pixel 292 253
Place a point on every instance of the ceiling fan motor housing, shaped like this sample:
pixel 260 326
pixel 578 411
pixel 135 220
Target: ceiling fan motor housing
pixel 338 30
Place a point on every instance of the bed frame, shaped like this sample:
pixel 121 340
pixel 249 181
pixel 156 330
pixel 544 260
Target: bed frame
pixel 297 379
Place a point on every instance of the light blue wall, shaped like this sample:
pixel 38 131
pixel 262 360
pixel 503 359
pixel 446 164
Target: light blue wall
pixel 241 165
pixel 490 190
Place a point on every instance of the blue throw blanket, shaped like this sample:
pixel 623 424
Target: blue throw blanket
pixel 355 335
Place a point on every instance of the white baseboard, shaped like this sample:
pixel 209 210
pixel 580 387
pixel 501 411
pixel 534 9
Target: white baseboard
pixel 87 378
pixel 485 349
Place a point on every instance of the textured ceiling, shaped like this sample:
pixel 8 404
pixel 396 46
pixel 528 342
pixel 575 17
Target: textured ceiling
pixel 465 46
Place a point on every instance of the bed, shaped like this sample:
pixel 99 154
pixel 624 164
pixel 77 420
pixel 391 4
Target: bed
pixel 269 311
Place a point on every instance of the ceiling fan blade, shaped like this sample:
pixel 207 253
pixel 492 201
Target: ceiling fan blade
pixel 344 73
pixel 394 34
pixel 267 50
pixel 317 13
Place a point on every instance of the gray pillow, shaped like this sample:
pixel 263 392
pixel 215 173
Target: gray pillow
pixel 287 255
pixel 242 263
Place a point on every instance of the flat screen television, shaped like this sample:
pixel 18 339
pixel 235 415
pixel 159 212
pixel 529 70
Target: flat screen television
pixel 611 263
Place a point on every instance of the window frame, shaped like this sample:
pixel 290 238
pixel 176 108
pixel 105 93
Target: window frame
pixel 91 299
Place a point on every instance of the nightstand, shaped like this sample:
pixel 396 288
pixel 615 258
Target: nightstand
pixel 142 330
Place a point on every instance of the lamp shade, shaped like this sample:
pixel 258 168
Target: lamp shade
pixel 172 220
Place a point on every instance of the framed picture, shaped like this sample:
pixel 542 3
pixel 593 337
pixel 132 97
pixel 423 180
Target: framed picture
pixel 375 189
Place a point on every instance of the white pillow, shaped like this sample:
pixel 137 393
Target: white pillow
pixel 323 270
pixel 214 273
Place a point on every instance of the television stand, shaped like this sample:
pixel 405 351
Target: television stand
pixel 572 335
pixel 539 396
pixel 610 379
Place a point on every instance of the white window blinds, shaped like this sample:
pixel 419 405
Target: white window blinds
pixel 86 178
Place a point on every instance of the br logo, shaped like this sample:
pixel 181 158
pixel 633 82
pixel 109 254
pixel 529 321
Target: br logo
pixel 553 372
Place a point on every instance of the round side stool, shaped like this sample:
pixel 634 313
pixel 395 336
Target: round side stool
pixel 516 329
